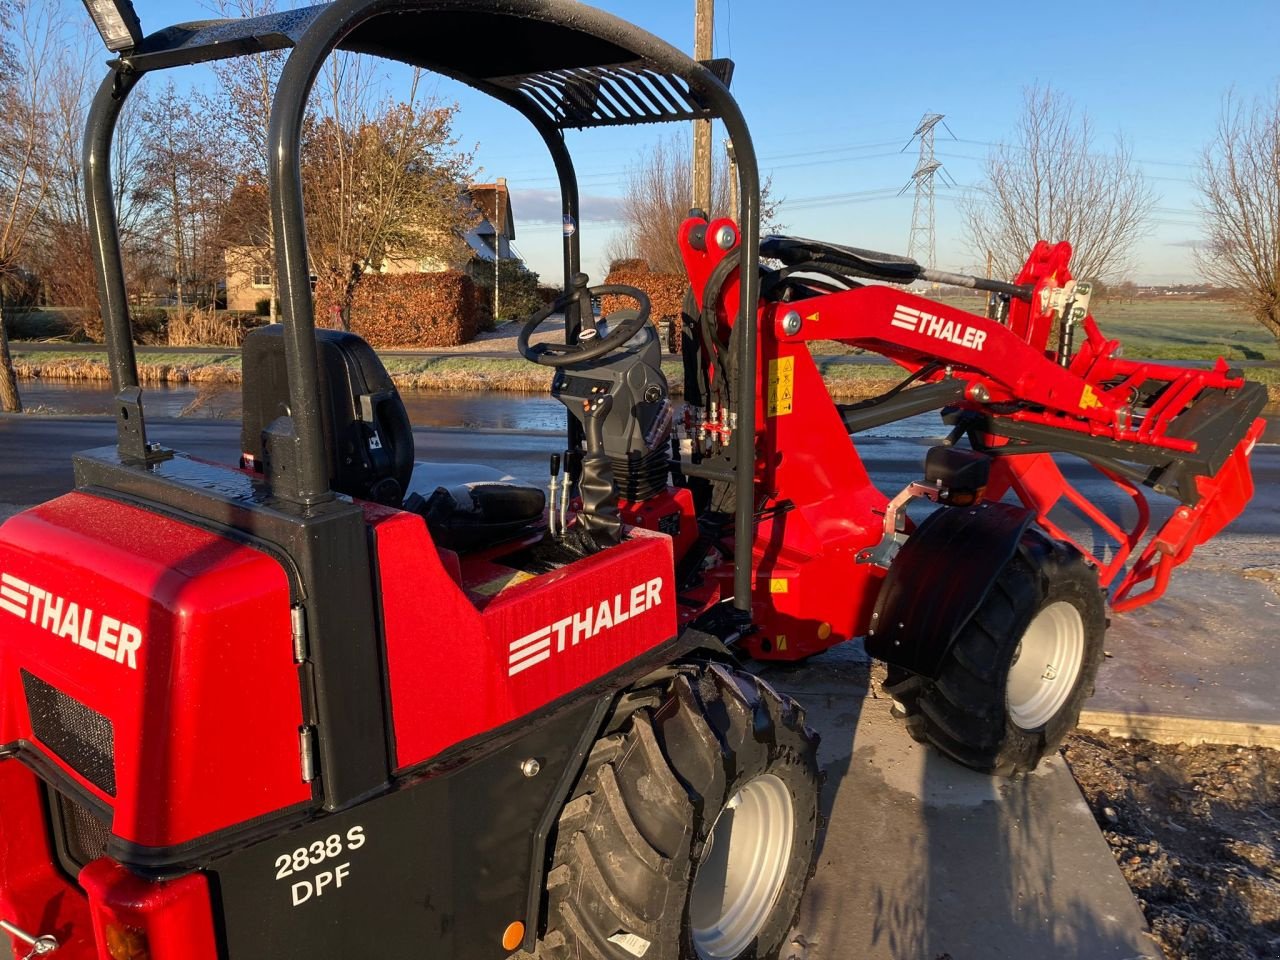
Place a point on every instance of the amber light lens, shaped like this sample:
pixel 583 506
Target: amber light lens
pixel 127 943
pixel 513 936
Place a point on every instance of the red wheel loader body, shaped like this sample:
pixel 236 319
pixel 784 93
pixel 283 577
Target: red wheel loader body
pixel 335 701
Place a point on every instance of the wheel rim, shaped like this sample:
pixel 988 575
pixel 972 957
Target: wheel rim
pixel 1046 665
pixel 742 870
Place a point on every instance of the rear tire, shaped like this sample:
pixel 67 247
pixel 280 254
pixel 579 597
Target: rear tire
pixel 993 707
pixel 645 843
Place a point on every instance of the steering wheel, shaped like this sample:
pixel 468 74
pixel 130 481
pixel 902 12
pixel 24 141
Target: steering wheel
pixel 590 346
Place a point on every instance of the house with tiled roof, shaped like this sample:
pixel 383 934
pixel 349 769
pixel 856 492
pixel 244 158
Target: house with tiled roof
pixel 488 238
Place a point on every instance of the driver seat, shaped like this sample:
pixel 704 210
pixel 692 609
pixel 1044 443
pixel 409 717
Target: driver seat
pixel 369 439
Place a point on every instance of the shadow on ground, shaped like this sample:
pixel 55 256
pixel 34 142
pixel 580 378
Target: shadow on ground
pixel 923 860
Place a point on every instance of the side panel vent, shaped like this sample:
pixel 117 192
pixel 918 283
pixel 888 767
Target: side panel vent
pixel 83 738
pixel 80 837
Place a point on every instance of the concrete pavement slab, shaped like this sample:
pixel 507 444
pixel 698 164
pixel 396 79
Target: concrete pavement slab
pixel 924 860
pixel 1203 663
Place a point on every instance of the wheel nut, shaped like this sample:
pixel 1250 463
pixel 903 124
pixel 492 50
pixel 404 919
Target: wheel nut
pixel 531 768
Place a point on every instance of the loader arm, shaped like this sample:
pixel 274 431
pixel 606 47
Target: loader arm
pixel 1180 431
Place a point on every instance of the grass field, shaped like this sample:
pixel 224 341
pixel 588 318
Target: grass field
pixel 176 367
pixel 846 381
pixel 1174 329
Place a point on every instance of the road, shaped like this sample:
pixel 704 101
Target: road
pixel 37 451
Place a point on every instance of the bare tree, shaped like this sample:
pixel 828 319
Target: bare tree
pixel 30 35
pixel 382 179
pixel 189 184
pixel 656 201
pixel 382 176
pixel 1049 183
pixel 1240 180
pixel 60 247
pixel 247 87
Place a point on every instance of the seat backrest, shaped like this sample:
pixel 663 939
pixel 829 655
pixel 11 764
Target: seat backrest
pixel 366 427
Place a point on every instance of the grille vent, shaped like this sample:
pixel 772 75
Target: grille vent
pixel 81 837
pixel 83 738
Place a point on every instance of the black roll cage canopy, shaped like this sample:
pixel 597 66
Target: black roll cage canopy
pixel 561 64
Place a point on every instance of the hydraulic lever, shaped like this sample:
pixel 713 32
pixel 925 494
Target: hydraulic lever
pixel 586 315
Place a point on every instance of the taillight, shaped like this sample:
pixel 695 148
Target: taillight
pixel 137 919
pixel 127 943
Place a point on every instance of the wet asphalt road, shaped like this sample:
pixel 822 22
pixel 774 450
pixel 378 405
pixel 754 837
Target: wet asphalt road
pixel 36 451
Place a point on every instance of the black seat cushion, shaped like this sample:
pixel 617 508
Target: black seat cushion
pixel 366 427
pixel 468 507
pixel 370 443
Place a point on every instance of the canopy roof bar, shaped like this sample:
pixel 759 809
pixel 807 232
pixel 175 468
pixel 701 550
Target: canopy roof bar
pixel 587 94
pixel 614 95
pixel 207 40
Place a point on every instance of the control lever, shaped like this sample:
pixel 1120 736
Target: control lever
pixel 586 315
pixel 553 514
pixel 600 517
pixel 572 460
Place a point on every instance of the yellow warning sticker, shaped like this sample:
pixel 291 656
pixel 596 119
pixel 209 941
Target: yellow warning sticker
pixel 1089 400
pixel 778 585
pixel 782 380
pixel 813 317
pixel 781 643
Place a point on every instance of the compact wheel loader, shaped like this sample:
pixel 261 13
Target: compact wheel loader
pixel 340 701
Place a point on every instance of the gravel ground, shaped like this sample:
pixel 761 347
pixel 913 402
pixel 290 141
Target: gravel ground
pixel 1196 832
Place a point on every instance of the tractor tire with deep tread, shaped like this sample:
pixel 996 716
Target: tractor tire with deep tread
pixel 641 820
pixel 971 712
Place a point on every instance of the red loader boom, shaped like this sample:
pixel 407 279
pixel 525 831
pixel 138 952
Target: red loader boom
pixel 1183 432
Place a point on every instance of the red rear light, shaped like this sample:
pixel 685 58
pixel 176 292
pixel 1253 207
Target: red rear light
pixel 137 919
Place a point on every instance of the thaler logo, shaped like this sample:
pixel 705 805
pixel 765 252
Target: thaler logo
pixel 534 648
pixel 917 321
pixel 104 635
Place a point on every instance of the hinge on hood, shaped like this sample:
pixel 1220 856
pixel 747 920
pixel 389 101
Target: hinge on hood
pixel 307 749
pixel 301 645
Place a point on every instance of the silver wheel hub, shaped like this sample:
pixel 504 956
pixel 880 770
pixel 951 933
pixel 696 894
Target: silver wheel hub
pixel 742 869
pixel 1046 665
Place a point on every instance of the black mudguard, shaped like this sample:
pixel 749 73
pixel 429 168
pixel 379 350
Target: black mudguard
pixel 939 578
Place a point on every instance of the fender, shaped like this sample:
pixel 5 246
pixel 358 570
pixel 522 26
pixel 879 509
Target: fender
pixel 939 579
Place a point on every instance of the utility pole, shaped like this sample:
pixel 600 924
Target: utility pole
pixel 733 180
pixel 923 243
pixel 703 34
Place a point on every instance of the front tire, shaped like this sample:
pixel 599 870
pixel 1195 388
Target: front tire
pixel 691 831
pixel 1012 685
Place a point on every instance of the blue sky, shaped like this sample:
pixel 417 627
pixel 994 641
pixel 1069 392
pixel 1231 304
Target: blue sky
pixel 832 90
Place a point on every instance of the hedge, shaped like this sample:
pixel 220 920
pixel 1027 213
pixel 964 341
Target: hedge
pixel 518 295
pixel 665 291
pixel 417 310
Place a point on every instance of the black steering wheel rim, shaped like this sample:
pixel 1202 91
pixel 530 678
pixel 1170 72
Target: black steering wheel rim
pixel 564 355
